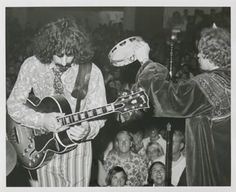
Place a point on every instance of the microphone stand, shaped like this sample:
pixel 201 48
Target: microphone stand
pixel 173 40
pixel 168 157
pixel 171 59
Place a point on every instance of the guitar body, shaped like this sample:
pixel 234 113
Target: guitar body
pixel 35 147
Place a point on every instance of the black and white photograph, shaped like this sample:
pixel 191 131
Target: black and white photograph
pixel 117 96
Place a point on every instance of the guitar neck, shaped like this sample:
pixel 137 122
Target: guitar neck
pixel 78 117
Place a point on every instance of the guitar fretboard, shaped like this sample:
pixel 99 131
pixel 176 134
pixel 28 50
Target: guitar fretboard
pixel 78 117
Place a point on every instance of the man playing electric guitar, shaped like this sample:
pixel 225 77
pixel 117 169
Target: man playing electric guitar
pixel 61 48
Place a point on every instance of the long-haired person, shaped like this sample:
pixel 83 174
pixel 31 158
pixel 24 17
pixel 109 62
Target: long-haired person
pixel 60 49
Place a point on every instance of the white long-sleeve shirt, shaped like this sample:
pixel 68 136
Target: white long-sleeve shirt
pixel 40 77
pixel 72 168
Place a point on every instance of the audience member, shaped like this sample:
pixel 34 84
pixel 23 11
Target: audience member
pixel 154 136
pixel 155 153
pixel 156 174
pixel 116 177
pixel 133 164
pixel 138 146
pixel 178 160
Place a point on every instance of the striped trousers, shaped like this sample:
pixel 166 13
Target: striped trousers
pixel 72 169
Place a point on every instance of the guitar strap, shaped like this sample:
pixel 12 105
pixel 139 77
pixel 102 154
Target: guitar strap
pixel 81 84
pixel 80 90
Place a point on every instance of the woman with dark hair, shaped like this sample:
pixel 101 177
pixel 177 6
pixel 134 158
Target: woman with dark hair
pixel 116 177
pixel 203 100
pixel 61 50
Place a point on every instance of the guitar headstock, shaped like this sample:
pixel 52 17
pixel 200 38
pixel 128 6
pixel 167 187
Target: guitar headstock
pixel 132 101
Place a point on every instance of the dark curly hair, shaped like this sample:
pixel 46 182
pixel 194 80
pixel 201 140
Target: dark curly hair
pixel 63 35
pixel 214 44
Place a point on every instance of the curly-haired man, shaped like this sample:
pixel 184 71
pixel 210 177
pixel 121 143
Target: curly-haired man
pixel 60 49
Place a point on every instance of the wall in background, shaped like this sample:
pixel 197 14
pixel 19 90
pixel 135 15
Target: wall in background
pixel 89 16
pixel 170 10
pixel 140 18
pixel 149 20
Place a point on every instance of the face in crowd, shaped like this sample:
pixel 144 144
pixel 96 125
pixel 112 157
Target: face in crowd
pixel 124 142
pixel 118 179
pixel 157 174
pixel 137 140
pixel 178 142
pixel 154 135
pixel 154 151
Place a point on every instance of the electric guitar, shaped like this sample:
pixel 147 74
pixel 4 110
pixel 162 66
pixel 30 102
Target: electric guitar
pixel 35 147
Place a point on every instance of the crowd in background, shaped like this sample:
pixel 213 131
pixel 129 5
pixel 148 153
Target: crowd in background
pixel 138 147
pixel 145 142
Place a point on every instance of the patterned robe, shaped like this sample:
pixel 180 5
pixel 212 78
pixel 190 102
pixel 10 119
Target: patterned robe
pixel 204 101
